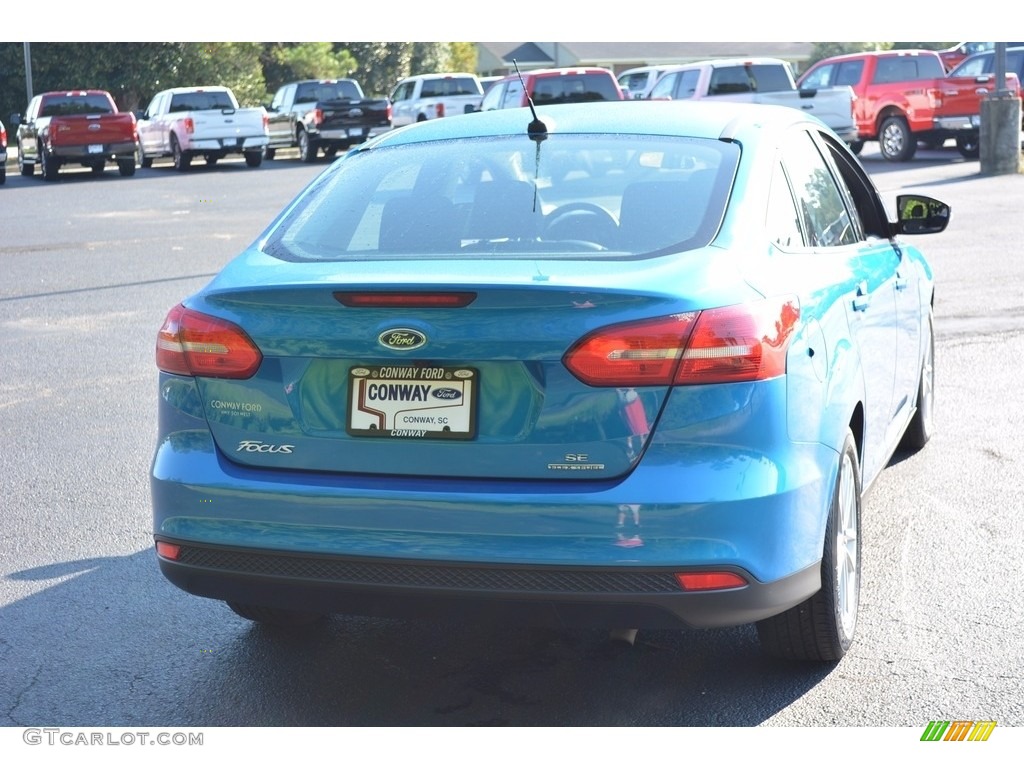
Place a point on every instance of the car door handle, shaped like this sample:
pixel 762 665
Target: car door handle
pixel 862 300
pixel 901 282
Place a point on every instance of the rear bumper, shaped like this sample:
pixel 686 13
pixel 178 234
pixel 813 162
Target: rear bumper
pixel 89 151
pixel 647 598
pixel 233 144
pixel 958 123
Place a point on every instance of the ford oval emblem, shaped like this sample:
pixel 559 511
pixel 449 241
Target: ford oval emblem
pixel 402 339
pixel 446 393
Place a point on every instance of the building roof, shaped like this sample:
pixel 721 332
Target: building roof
pixel 497 58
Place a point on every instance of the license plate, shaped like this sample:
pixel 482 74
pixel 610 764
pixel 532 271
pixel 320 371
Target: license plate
pixel 355 132
pixel 95 149
pixel 230 142
pixel 412 402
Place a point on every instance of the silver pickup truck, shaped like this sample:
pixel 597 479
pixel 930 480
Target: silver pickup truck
pixel 183 123
pixel 762 80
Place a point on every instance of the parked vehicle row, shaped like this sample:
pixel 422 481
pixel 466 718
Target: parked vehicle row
pixel 905 97
pixel 760 80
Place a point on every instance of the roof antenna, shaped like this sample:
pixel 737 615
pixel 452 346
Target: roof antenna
pixel 536 130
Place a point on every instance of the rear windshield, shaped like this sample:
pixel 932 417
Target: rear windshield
pixel 751 78
pixel 76 104
pixel 450 86
pixel 200 100
pixel 329 91
pixel 571 196
pixel 899 69
pixel 568 89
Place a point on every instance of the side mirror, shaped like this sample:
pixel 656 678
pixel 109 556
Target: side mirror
pixel 920 215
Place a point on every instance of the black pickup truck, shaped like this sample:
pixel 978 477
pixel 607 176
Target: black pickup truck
pixel 327 114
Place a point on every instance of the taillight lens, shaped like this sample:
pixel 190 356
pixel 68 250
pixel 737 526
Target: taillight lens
pixel 193 344
pixel 440 109
pixel 744 342
pixel 190 125
pixel 632 354
pixel 318 116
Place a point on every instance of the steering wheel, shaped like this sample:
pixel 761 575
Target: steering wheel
pixel 581 221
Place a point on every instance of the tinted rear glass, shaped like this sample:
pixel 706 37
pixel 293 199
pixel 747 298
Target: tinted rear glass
pixel 329 91
pixel 761 78
pixel 193 102
pixel 75 104
pixel 899 69
pixel 450 86
pixel 568 89
pixel 573 196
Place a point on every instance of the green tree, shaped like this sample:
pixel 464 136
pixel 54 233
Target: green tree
pixel 284 62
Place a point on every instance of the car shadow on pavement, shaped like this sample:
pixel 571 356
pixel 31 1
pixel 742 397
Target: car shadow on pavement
pixel 108 641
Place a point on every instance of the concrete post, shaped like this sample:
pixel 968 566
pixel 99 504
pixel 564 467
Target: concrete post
pixel 999 140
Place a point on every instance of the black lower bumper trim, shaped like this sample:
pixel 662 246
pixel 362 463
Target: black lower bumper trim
pixel 640 597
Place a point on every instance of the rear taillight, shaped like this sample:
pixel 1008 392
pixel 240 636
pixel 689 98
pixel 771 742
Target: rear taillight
pixel 193 344
pixel 190 125
pixel 745 342
pixel 440 110
pixel 318 116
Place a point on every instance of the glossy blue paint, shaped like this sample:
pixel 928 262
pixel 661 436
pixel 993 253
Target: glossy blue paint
pixel 733 475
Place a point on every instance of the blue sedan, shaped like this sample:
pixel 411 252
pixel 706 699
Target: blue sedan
pixel 629 364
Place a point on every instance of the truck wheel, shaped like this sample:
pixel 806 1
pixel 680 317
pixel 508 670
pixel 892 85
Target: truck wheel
pixel 182 159
pixel 969 147
pixel 126 167
pixel 48 165
pixel 3 174
pixel 307 149
pixel 269 153
pixel 143 161
pixel 895 141
pixel 253 159
pixel 96 169
pixel 211 159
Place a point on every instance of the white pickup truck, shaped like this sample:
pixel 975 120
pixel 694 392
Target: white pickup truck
pixel 182 123
pixel 762 80
pixel 425 97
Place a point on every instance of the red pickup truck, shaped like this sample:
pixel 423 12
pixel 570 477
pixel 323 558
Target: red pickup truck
pixel 905 97
pixel 75 127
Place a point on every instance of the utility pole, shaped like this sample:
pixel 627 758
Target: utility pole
pixel 1000 132
pixel 28 71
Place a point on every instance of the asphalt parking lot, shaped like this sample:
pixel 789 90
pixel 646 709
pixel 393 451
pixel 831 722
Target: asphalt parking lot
pixel 91 634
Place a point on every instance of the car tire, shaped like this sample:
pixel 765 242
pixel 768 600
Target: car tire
pixel 253 159
pixel 182 159
pixel 126 167
pixel 922 423
pixel 969 147
pixel 211 160
pixel 307 149
pixel 48 166
pixel 822 627
pixel 895 140
pixel 268 153
pixel 278 617
pixel 3 174
pixel 143 160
